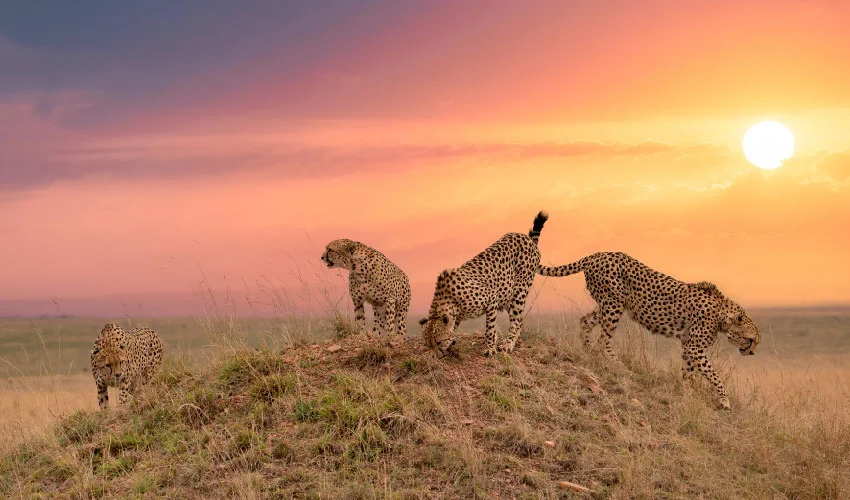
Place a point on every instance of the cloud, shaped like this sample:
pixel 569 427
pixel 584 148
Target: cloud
pixel 42 151
pixel 414 60
pixel 741 236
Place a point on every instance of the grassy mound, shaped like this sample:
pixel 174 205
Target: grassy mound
pixel 357 420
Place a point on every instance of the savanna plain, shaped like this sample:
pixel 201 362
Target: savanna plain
pixel 300 406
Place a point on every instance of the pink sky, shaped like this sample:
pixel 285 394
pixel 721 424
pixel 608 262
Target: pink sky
pixel 137 170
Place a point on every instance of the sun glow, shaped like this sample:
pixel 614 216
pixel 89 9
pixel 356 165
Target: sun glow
pixel 768 144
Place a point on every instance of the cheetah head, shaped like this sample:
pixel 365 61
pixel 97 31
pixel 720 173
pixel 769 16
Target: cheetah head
pixel 108 361
pixel 741 331
pixel 338 253
pixel 438 333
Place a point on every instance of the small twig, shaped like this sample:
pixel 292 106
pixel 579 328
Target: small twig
pixel 574 486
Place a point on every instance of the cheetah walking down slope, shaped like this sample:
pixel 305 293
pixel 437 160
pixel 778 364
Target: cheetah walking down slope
pixel 497 279
pixel 375 280
pixel 694 313
pixel 126 360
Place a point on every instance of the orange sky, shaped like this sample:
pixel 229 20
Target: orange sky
pixel 427 133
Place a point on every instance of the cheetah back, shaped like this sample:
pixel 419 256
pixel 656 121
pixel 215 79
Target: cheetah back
pixel 497 279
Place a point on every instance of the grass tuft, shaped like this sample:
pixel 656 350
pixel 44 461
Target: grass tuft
pixel 364 421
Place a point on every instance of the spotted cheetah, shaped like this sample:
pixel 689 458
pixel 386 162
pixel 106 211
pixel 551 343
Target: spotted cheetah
pixel 694 313
pixel 497 279
pixel 126 360
pixel 375 280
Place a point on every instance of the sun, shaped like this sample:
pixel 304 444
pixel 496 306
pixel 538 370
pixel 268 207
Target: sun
pixel 768 144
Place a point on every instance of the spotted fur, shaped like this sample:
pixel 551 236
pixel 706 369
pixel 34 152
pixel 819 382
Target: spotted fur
pixel 497 279
pixel 123 359
pixel 694 313
pixel 374 280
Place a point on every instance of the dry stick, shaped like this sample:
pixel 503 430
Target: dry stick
pixel 574 486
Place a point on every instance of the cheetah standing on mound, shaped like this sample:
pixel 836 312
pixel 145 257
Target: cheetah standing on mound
pixel 126 360
pixel 694 313
pixel 497 279
pixel 375 280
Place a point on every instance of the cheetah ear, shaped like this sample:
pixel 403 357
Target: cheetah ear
pixel 423 321
pixel 445 319
pixel 349 247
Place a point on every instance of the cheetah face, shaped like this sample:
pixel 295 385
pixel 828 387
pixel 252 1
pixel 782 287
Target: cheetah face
pixel 338 254
pixel 327 259
pixel 438 334
pixel 106 365
pixel 742 332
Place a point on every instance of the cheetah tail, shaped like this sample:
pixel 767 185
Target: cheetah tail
pixel 541 219
pixel 559 271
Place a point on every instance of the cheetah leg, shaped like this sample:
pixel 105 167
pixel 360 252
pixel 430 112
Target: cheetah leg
pixel 102 394
pixel 359 311
pixel 587 324
pixel 611 315
pixel 699 360
pixel 125 390
pixel 389 324
pixel 490 331
pixel 687 366
pixel 123 396
pixel 515 312
pixel 380 325
pixel 401 317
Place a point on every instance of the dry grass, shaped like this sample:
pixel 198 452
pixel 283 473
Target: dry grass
pixel 31 406
pixel 291 419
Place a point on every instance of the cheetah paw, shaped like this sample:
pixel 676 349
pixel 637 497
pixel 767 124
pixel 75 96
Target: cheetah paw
pixel 506 348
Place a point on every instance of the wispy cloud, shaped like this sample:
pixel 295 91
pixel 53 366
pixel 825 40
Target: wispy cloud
pixel 39 149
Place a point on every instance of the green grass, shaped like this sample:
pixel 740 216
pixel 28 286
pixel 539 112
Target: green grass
pixel 290 420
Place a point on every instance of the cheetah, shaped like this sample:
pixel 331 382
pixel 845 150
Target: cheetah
pixel 497 279
pixel 375 280
pixel 694 313
pixel 126 360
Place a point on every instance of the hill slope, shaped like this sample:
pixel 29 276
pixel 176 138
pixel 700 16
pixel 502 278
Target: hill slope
pixel 352 420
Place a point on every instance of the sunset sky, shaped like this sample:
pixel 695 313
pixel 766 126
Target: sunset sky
pixel 152 149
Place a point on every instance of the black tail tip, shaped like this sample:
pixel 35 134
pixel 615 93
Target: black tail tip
pixel 538 224
pixel 541 219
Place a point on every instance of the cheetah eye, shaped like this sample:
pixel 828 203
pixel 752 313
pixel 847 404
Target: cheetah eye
pixel 740 318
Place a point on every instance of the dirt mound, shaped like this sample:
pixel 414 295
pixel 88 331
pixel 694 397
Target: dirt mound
pixel 357 418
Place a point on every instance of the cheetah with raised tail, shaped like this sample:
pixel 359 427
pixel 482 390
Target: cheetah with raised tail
pixel 497 279
pixel 124 359
pixel 374 280
pixel 694 313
